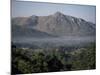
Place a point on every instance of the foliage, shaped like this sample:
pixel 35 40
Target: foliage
pixel 55 59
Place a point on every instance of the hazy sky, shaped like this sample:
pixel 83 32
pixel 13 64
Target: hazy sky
pixel 21 8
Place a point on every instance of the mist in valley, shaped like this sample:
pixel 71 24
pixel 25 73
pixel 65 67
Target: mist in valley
pixel 55 42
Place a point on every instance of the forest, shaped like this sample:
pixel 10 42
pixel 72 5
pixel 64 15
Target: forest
pixel 26 60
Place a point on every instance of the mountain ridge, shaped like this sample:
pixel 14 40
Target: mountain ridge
pixel 57 24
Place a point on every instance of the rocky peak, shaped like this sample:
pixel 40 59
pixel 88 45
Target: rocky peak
pixel 59 14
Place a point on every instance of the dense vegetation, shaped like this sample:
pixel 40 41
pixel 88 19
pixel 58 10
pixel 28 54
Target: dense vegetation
pixel 38 60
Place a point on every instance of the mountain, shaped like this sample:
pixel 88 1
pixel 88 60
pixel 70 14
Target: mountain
pixel 56 24
pixel 25 21
pixel 24 32
pixel 64 25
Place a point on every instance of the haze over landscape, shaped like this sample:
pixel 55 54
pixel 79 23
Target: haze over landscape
pixel 50 37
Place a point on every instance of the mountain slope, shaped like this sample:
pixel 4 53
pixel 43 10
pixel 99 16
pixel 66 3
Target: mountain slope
pixel 64 25
pixel 56 24
pixel 19 31
pixel 25 21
